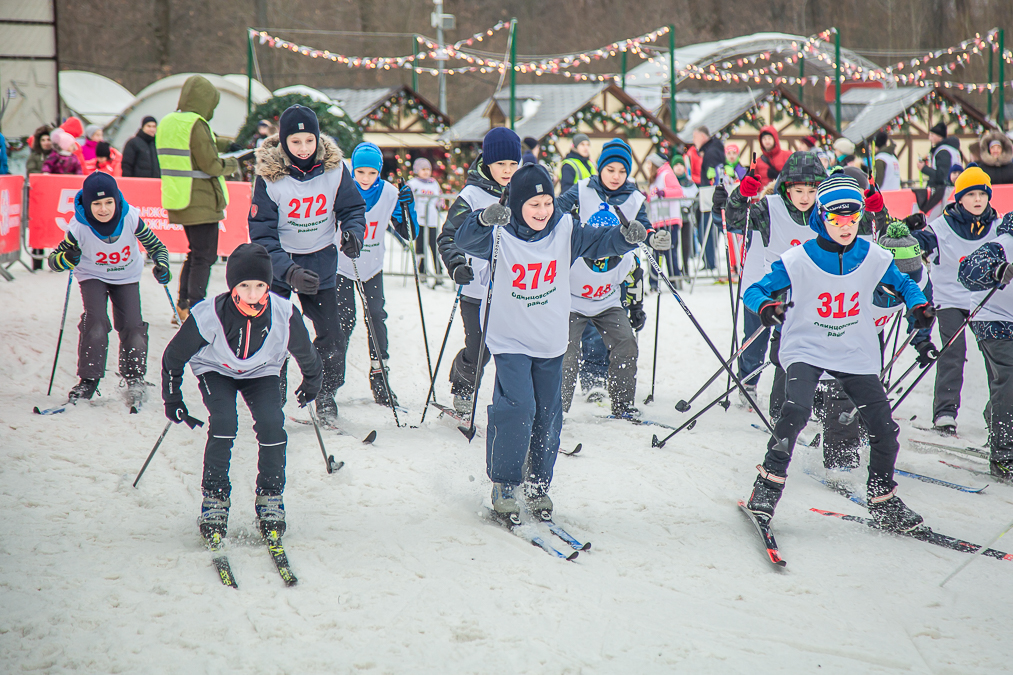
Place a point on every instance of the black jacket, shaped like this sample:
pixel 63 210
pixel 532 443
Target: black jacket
pixel 452 256
pixel 140 160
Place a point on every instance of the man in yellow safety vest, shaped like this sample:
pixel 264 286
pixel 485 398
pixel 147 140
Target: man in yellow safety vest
pixel 577 165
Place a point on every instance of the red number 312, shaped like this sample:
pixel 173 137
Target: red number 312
pixel 826 308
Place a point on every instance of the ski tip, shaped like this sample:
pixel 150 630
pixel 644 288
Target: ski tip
pixel 586 547
pixel 370 437
pixel 133 410
pixel 577 449
pixel 776 558
pixel 36 410
pixel 573 556
pixel 682 406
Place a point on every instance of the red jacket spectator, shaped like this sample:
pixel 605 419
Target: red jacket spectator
pixel 768 166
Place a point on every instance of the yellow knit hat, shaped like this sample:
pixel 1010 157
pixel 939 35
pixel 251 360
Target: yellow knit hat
pixel 969 179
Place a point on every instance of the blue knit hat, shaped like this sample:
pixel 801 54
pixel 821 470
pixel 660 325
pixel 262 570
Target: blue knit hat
pixel 367 155
pixel 501 144
pixel 616 150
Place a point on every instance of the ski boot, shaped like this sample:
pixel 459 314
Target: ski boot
pixel 625 410
pixel 327 411
pixel 136 393
pixel 214 519
pixel 84 389
pixel 751 389
pixel 766 492
pixel 504 503
pixel 945 425
pixel 596 395
pixel 376 378
pixel 1002 471
pixel 462 404
pixel 270 516
pixel 537 498
pixel 887 509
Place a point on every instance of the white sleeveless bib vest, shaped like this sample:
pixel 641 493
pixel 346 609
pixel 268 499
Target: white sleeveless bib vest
pixel 478 288
pixel 218 357
pixel 785 233
pixel 832 325
pixel 591 292
pixel 531 295
pixel 306 221
pixel 597 213
pixel 947 291
pixel 891 176
pixel 753 267
pixel 117 263
pixel 370 260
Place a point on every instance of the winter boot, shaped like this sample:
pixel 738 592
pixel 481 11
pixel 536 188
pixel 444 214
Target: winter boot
pixel 270 516
pixel 887 509
pixel 462 404
pixel 327 411
pixel 625 410
pixel 1003 471
pixel 504 503
pixel 596 395
pixel 84 389
pixel 376 378
pixel 537 498
pixel 766 492
pixel 945 425
pixel 214 519
pixel 751 388
pixel 137 392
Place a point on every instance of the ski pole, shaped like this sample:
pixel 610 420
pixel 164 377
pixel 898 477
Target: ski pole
pixel 373 340
pixel 329 462
pixel 175 310
pixel 896 336
pixel 683 406
pixel 654 365
pixel 439 358
pixel 469 431
pixel 691 422
pixel 731 297
pixel 980 550
pixel 418 290
pixel 953 338
pixel 703 334
pixel 192 422
pixel 59 340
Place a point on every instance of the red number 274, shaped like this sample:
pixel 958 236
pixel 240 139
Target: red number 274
pixel 536 268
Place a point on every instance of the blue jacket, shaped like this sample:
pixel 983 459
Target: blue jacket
pixel 976 273
pixel 349 211
pixel 566 201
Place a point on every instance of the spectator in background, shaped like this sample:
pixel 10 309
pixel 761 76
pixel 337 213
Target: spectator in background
pixel 530 155
pixel 264 130
pixel 140 159
pixel 92 137
pixel 427 190
pixel 42 147
pixel 733 169
pixel 63 160
pixel 996 152
pixel 955 171
pixel 842 148
pixel 75 128
pixel 851 160
pixel 107 159
pixel 806 144
pixel 666 185
pixel 936 168
pixel 577 165
pixel 772 157
pixel 886 167
pixel 706 157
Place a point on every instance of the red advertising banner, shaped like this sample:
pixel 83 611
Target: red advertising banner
pixel 901 203
pixel 10 213
pixel 51 206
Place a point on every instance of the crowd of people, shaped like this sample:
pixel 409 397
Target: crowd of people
pixel 551 288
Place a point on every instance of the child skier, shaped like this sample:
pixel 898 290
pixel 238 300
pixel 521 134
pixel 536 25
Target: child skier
pixel 101 247
pixel 303 191
pixel 985 268
pixel 597 285
pixel 528 325
pixel 831 328
pixel 487 177
pixel 424 185
pixel 238 342
pixel 964 226
pixel 384 204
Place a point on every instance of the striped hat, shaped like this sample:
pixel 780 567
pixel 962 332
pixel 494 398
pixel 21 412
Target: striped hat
pixel 840 194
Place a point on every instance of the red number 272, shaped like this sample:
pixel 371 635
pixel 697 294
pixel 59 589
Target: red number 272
pixel 536 268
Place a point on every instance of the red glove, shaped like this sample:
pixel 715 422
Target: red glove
pixel 873 201
pixel 750 187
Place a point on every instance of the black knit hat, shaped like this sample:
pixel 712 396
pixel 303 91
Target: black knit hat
pixel 939 129
pixel 296 120
pixel 530 181
pixel 249 262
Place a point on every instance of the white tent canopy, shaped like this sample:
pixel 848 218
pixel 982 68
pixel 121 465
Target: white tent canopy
pixel 94 98
pixel 160 98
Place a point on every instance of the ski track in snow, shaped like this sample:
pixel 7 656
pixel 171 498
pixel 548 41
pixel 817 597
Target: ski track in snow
pixel 397 571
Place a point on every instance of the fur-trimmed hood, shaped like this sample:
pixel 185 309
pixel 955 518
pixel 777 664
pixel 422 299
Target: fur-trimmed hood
pixel 273 163
pixel 1005 157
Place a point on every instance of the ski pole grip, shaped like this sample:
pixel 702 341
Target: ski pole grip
pixel 193 422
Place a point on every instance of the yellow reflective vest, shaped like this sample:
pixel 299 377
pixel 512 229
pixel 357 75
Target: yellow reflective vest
pixel 172 142
pixel 579 167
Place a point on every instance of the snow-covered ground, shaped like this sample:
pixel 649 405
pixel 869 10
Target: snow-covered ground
pixel 398 573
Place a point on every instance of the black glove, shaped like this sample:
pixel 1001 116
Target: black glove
pixel 720 198
pixel 162 274
pixel 463 274
pixel 176 411
pixel 638 317
pixel 1003 273
pixel 927 353
pixel 302 280
pixel 351 244
pixel 494 214
pixel 772 313
pixel 73 256
pixel 405 196
pixel 923 315
pixel 305 394
pixel 916 221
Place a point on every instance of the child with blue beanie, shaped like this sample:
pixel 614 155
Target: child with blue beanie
pixel 384 204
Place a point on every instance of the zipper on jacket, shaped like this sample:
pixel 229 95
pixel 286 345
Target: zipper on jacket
pixel 840 258
pixel 246 346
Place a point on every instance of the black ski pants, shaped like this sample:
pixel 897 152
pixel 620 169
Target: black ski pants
pixel 999 364
pixel 348 298
pixel 193 278
pixel 462 372
pixel 93 344
pixel 263 398
pixel 777 387
pixel 420 250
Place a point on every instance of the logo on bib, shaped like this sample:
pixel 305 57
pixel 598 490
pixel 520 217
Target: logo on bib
pixel 603 218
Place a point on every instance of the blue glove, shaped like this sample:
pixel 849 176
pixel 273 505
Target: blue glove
pixel 405 196
pixel 406 201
